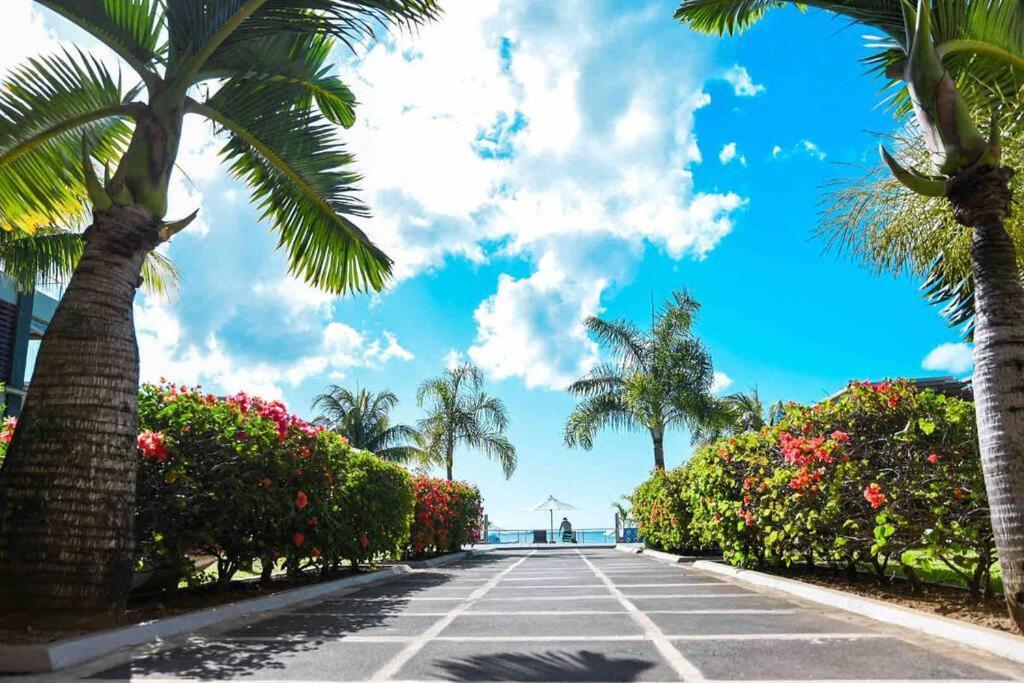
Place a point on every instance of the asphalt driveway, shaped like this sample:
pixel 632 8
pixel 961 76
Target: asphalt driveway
pixel 559 615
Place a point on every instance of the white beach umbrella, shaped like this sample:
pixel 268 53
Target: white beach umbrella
pixel 551 504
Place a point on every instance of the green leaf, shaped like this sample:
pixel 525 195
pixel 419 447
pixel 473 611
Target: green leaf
pixel 46 106
pixel 926 425
pixel 297 170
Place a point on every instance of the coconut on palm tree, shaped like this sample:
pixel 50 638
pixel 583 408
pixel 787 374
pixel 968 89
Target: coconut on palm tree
pixel 947 62
pixel 658 379
pixel 364 418
pixel 78 139
pixel 461 413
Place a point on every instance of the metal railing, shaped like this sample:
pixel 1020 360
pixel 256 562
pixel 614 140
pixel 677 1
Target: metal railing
pixel 531 536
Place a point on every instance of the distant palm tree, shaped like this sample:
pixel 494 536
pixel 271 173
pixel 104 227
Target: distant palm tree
pixel 660 378
pixel 459 412
pixel 736 413
pixel 364 418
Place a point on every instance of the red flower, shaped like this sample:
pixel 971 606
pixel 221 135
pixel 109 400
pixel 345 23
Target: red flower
pixel 298 539
pixel 314 553
pixel 8 429
pixel 151 445
pixel 313 521
pixel 873 494
pixel 958 494
pixel 840 436
pixel 301 500
pixel 364 540
pixel 933 458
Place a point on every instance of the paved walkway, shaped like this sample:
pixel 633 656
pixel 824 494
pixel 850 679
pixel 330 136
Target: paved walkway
pixel 559 615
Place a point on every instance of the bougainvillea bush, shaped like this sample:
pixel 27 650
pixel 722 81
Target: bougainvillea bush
pixel 244 480
pixel 448 515
pixel 881 475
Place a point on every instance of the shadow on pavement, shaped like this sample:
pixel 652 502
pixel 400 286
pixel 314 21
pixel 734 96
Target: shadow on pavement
pixel 543 666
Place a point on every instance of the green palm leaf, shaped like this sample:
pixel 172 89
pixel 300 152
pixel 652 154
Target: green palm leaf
pixel 295 166
pixel 46 107
pixel 132 28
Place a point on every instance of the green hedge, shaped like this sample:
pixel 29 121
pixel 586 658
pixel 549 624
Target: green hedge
pixel 881 476
pixel 245 481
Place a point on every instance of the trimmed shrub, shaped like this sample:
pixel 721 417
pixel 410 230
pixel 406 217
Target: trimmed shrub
pixel 448 515
pixel 661 515
pixel 243 480
pixel 882 474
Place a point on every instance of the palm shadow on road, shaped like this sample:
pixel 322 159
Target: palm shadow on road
pixel 543 666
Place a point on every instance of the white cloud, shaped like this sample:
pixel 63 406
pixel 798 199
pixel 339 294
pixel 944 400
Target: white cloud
pixel 454 358
pixel 488 133
pixel 532 327
pixel 166 351
pixel 804 147
pixel 721 382
pixel 23 33
pixel 953 358
pixel 742 84
pixel 729 154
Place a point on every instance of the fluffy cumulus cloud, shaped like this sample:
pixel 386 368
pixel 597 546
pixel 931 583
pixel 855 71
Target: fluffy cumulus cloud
pixel 167 350
pixel 953 358
pixel 729 154
pixel 491 132
pixel 721 382
pixel 742 84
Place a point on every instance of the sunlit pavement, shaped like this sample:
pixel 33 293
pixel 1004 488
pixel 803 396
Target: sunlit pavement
pixel 558 615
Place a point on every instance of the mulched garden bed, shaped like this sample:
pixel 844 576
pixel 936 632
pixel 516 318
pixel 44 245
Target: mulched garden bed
pixel 947 601
pixel 17 629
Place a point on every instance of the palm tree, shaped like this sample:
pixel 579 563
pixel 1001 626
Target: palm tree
pixel 459 412
pixel 947 60
pixel 364 418
pixel 50 253
pixel 659 379
pixel 67 485
pixel 736 413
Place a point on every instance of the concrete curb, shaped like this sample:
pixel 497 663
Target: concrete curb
pixel 442 560
pixel 671 558
pixel 978 637
pixel 61 654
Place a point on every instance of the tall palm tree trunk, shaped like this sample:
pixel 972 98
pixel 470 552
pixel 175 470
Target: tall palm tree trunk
pixel 67 487
pixel 981 199
pixel 449 460
pixel 658 437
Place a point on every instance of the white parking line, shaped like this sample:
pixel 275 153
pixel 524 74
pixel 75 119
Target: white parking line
pixel 682 666
pixel 395 664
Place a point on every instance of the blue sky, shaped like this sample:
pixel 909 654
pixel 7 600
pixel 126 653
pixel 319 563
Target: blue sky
pixel 531 163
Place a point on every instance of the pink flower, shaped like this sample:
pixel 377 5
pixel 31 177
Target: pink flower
pixel 933 458
pixel 301 500
pixel 151 444
pixel 873 494
pixel 840 436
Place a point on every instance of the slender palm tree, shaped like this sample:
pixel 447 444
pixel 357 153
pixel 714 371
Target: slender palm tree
pixel 67 485
pixel 364 418
pixel 946 61
pixel 459 412
pixel 659 379
pixel 736 413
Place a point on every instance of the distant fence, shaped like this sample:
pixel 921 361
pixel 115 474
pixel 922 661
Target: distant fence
pixel 579 536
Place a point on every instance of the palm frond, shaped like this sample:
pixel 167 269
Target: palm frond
pixel 720 17
pixel 622 338
pixel 131 28
pixel 601 379
pixel 604 411
pixel 293 58
pixel 47 105
pixel 295 167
